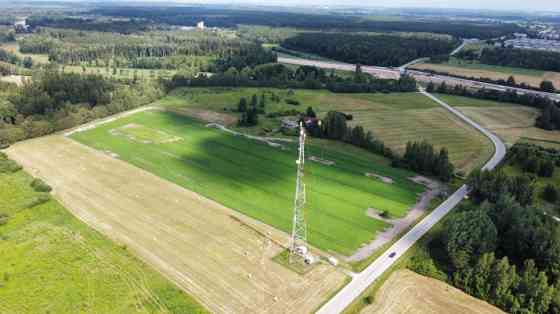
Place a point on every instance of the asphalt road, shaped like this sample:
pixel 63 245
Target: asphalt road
pixel 421 76
pixel 364 279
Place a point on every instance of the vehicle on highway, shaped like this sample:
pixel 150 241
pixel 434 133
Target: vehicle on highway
pixel 392 254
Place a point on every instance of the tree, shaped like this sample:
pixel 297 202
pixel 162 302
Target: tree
pixel 510 81
pixel 334 125
pixel 431 87
pixel 27 62
pixel 547 86
pixel 546 169
pixel 242 106
pixel 310 113
pixel 262 101
pixel 551 193
pixel 469 234
pixel 254 100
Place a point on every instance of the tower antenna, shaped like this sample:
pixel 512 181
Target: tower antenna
pixel 298 245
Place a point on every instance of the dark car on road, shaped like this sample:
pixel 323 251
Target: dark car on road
pixel 392 254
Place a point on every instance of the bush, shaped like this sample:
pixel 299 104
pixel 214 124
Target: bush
pixel 40 186
pixel 37 200
pixel 11 135
pixel 385 214
pixel 7 165
pixel 551 193
pixel 425 266
pixel 3 219
pixel 292 102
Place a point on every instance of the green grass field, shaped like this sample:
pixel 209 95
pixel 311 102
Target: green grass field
pixel 395 118
pixel 259 180
pixel 494 68
pixel 52 263
pixel 460 101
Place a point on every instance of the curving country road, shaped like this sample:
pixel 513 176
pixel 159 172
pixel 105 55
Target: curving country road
pixel 364 279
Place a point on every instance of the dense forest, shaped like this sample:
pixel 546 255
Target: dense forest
pixel 53 101
pixel 217 17
pixel 499 247
pixel 514 57
pixel 89 24
pixel 381 50
pixel 149 50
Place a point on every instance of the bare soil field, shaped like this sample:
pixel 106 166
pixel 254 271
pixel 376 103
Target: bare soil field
pixel 533 80
pixel 407 292
pixel 217 255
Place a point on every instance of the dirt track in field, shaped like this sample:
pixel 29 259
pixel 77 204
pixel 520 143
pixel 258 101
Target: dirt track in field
pixel 219 256
pixel 410 293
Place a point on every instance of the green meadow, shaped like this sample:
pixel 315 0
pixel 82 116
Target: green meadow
pixel 50 262
pixel 258 179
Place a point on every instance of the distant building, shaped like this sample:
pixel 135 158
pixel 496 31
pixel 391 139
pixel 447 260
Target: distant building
pixel 21 26
pixel 200 25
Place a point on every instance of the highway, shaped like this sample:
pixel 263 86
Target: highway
pixel 361 281
pixel 395 73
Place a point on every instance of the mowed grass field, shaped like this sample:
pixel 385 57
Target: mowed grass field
pixel 406 292
pixel 395 118
pixel 259 180
pixel 478 70
pixel 219 256
pixel 50 262
pixel 510 122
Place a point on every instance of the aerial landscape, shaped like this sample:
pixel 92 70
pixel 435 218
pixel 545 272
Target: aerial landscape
pixel 279 157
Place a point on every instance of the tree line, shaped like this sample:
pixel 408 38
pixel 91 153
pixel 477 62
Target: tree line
pixel 219 17
pixel 381 50
pixel 548 120
pixel 281 76
pixel 545 86
pixel 88 24
pixel 515 57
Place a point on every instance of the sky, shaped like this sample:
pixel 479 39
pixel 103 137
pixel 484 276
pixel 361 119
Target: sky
pixel 510 5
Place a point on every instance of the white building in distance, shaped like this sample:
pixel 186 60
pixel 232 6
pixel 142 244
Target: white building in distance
pixel 200 25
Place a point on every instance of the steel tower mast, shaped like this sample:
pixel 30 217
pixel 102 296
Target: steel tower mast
pixel 298 245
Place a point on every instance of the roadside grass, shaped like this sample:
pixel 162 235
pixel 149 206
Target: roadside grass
pixel 259 180
pixel 460 101
pixel 52 262
pixel 363 264
pixel 419 249
pixel 395 118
